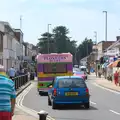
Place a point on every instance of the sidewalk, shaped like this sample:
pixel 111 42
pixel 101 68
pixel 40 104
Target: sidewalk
pixel 20 115
pixel 105 83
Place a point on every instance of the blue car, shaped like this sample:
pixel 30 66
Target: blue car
pixel 68 90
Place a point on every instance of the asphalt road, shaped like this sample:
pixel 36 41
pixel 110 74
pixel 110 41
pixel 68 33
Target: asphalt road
pixel 105 105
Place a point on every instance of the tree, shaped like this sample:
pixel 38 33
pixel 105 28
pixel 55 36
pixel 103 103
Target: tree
pixel 58 41
pixel 43 43
pixel 60 36
pixel 84 49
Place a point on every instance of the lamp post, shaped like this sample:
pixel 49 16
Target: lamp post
pixel 48 37
pixel 95 32
pixel 105 25
pixel 21 42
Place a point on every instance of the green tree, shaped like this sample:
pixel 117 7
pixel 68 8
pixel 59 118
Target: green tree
pixel 84 49
pixel 43 43
pixel 58 41
pixel 60 36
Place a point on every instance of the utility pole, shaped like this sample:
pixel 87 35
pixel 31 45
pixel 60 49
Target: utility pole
pixel 21 41
pixel 48 38
pixel 95 37
pixel 20 21
pixel 105 25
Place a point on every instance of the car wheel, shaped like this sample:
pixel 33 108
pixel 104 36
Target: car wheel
pixel 87 105
pixel 54 106
pixel 49 102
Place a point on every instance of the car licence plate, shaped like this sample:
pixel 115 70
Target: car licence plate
pixel 71 93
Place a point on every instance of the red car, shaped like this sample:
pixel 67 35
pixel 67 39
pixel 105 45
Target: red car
pixel 81 74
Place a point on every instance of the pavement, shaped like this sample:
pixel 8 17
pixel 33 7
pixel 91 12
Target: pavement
pixel 107 84
pixel 19 114
pixel 104 103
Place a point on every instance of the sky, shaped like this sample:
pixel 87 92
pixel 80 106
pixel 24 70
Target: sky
pixel 81 17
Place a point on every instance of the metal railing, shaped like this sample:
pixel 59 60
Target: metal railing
pixel 22 80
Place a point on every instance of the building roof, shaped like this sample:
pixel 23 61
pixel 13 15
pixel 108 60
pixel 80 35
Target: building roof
pixel 8 26
pixel 18 30
pixel 105 41
pixel 113 45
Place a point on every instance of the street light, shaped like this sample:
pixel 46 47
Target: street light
pixel 48 37
pixel 95 32
pixel 105 25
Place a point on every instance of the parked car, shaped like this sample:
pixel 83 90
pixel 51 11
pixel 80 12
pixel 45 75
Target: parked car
pixel 76 70
pixel 68 90
pixel 81 74
pixel 83 68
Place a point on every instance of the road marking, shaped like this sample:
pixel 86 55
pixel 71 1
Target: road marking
pixel 93 103
pixel 117 113
pixel 20 105
pixel 106 89
pixel 20 101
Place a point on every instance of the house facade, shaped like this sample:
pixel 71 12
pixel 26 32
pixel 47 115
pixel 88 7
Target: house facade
pixel 10 46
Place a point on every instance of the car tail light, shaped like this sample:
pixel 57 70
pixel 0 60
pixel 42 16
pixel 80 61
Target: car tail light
pixel 87 91
pixel 55 92
pixel 40 84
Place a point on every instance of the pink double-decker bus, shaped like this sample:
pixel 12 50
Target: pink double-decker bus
pixel 51 65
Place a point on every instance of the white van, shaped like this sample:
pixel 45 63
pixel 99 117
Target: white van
pixel 83 68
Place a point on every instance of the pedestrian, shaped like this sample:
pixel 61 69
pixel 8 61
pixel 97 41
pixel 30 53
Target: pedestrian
pixel 12 73
pixel 96 70
pixel 119 78
pixel 116 75
pixel 7 96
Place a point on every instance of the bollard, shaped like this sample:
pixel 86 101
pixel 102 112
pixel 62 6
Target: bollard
pixel 42 115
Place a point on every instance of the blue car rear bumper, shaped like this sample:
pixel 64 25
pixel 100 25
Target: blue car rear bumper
pixel 68 100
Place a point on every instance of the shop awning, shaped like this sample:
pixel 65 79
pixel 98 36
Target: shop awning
pixel 116 63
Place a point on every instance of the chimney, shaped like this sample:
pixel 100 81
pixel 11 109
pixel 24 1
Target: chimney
pixel 117 38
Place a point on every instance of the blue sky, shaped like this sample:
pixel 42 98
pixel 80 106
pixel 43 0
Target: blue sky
pixel 82 17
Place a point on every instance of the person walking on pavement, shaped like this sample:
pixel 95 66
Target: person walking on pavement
pixel 7 96
pixel 11 73
pixel 119 78
pixel 116 75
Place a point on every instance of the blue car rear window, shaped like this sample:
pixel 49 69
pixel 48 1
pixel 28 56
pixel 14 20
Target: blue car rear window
pixel 71 83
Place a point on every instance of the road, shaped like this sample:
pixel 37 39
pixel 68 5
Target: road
pixel 105 105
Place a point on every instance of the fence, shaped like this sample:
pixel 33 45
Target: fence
pixel 22 80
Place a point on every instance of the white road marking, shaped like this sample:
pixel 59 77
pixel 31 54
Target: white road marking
pixel 93 103
pixel 20 105
pixel 117 113
pixel 20 101
pixel 106 89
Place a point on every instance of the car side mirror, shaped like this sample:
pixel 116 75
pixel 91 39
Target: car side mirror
pixel 50 86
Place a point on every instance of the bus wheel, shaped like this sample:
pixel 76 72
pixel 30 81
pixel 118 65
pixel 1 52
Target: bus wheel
pixel 40 93
pixel 37 89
